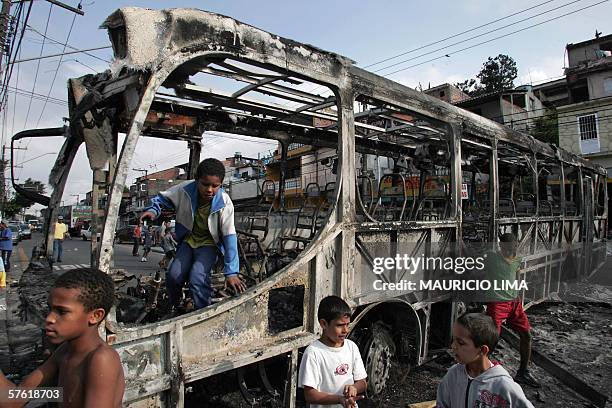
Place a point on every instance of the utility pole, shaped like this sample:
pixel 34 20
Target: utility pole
pixel 146 172
pixel 3 189
pixel 5 16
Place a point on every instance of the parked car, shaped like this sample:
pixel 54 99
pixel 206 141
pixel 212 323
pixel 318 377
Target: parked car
pixel 25 232
pixel 86 234
pixel 15 230
pixel 124 234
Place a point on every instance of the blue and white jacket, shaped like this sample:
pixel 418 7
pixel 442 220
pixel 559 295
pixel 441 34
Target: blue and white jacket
pixel 183 198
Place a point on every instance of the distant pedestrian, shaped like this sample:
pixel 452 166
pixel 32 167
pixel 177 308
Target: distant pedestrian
pixel 147 237
pixel 59 234
pixel 168 244
pixel 6 244
pixel 136 237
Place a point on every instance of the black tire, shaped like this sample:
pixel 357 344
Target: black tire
pixel 378 352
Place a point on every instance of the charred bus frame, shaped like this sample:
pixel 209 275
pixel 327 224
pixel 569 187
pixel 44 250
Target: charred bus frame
pixel 365 118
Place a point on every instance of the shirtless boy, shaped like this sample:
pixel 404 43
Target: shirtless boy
pixel 83 365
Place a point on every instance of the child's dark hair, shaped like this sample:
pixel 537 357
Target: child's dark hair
pixel 97 288
pixel 333 307
pixel 482 328
pixel 211 167
pixel 508 244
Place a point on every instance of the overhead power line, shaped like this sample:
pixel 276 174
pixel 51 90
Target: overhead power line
pixel 62 54
pixel 496 38
pixel 479 35
pixel 447 55
pixel 68 45
pixel 457 34
pixel 42 47
pixel 56 70
pixel 36 96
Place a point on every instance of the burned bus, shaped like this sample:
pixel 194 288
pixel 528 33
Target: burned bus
pixel 363 165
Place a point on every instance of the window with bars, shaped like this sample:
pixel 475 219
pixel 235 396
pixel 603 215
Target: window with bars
pixel 587 126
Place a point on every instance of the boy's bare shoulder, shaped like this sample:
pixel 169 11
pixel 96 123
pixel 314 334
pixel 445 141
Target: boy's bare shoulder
pixel 104 357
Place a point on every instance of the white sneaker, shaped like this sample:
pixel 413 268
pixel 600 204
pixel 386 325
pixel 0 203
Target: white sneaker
pixel 143 259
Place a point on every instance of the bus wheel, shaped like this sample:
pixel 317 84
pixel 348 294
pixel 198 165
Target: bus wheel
pixel 379 350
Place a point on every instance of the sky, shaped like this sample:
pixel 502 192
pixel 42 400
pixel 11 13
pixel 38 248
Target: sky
pixel 364 31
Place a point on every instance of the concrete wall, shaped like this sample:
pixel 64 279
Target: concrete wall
pixel 244 189
pixel 490 110
pixel 600 85
pixel 514 116
pixel 581 54
pixel 569 134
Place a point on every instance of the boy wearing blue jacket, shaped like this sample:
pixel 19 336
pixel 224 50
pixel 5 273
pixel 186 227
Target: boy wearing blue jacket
pixel 204 229
pixel 476 382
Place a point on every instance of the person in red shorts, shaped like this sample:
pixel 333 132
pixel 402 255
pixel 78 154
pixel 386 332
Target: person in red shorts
pixel 504 266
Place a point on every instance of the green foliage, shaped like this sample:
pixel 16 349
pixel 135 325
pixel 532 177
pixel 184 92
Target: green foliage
pixel 546 127
pixel 496 74
pixel 469 86
pixel 19 202
pixel 11 208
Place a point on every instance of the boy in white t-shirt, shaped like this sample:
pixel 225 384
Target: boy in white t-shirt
pixel 332 371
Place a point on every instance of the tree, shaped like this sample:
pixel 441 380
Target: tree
pixel 11 208
pixel 546 128
pixel 496 74
pixel 469 86
pixel 19 202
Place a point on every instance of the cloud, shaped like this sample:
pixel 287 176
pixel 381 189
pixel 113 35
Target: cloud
pixel 547 69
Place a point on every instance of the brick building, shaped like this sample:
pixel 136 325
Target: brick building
pixel 448 93
pixel 147 187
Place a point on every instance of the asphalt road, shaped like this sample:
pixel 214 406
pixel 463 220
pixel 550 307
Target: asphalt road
pixel 76 254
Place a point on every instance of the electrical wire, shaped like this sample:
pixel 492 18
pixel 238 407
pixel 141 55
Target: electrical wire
pixel 42 47
pixel 15 99
pixel 10 70
pixel 17 19
pixel 36 96
pixel 57 69
pixel 478 36
pixel 30 28
pixel 447 55
pixel 457 34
